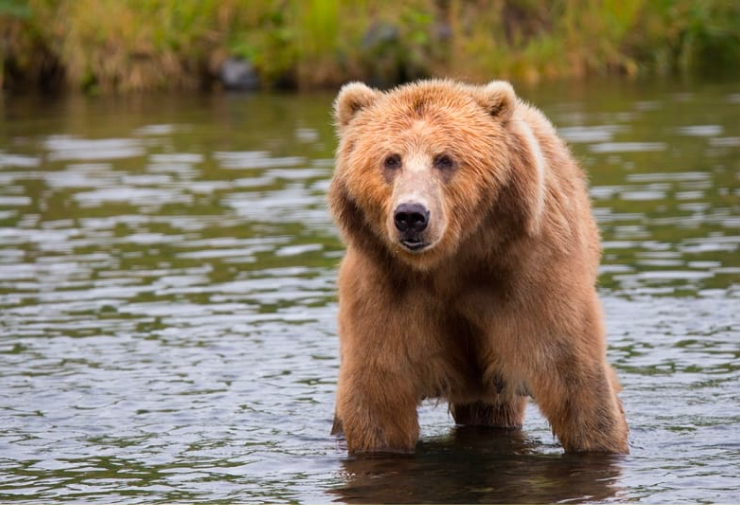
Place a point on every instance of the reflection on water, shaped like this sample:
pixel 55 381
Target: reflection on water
pixel 167 306
pixel 481 466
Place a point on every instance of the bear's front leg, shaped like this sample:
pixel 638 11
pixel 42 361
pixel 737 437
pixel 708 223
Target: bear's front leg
pixel 567 373
pixel 384 336
pixel 376 409
pixel 576 390
pixel 583 409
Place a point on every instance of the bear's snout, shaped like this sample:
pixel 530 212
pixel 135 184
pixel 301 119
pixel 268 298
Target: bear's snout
pixel 411 218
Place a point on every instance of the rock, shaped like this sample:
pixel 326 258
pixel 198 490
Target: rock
pixel 238 74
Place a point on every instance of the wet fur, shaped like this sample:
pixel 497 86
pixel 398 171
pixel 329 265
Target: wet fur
pixel 503 306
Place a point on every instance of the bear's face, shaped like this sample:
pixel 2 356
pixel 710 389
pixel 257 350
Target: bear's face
pixel 419 167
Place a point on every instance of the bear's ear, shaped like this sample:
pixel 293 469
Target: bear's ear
pixel 351 98
pixel 497 98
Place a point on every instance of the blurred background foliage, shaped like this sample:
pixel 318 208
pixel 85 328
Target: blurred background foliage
pixel 133 45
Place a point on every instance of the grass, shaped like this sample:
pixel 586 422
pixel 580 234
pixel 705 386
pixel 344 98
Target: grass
pixel 136 45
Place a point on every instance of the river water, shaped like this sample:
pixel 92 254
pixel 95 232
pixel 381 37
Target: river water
pixel 167 306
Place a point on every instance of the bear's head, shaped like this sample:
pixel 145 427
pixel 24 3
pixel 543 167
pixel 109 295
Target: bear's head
pixel 418 168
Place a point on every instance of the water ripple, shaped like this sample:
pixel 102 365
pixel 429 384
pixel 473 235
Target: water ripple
pixel 168 309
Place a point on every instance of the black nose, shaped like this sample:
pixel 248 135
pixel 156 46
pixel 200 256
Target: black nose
pixel 411 217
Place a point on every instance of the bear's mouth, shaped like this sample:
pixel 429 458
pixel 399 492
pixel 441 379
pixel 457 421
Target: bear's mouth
pixel 414 245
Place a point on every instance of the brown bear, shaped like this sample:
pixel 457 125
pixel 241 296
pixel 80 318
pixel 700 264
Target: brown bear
pixel 472 257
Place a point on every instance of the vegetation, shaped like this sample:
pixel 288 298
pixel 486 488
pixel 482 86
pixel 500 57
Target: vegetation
pixel 124 45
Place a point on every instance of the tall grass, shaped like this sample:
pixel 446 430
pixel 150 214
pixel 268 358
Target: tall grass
pixel 125 45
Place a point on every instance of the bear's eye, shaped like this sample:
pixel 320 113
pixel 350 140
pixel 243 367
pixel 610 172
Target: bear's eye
pixel 443 162
pixel 392 162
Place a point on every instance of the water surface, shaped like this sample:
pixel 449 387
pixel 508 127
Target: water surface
pixel 167 306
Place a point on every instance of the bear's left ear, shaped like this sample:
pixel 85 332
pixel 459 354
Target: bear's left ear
pixel 497 98
pixel 351 99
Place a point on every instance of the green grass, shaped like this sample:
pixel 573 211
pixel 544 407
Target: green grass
pixel 134 45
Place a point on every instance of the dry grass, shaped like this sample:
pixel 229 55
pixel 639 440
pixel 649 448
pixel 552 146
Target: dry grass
pixel 132 45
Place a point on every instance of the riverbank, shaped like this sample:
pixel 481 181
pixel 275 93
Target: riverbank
pixel 102 46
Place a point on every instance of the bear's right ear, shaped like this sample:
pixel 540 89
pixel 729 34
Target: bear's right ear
pixel 351 98
pixel 497 98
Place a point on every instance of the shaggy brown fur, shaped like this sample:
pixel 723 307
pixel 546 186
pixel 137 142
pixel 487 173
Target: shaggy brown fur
pixel 499 303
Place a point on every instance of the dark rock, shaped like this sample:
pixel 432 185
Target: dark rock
pixel 380 35
pixel 443 31
pixel 238 74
